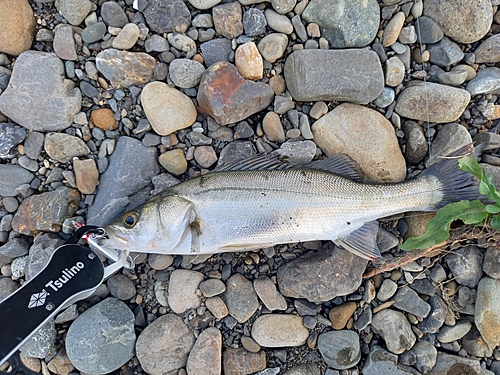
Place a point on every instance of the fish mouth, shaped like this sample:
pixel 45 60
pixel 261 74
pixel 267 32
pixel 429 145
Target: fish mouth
pixel 116 240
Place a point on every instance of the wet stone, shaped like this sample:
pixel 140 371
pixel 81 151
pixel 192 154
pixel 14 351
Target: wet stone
pixel 182 290
pixel 322 270
pixel 165 16
pixel 408 300
pixel 125 69
pixel 340 349
pixel 45 212
pixel 227 97
pixel 64 147
pixel 173 342
pixel 240 298
pixel 346 75
pixel 10 136
pixel 279 330
pixel 27 98
pixel 466 265
pixel 102 339
pixel 394 329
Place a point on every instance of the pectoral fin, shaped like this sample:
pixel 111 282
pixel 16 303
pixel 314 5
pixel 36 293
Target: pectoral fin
pixel 362 242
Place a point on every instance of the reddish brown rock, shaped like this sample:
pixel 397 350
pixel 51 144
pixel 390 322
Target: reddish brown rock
pixel 103 119
pixel 228 19
pixel 46 212
pixel 227 97
pixel 241 362
pixel 18 26
pixel 86 174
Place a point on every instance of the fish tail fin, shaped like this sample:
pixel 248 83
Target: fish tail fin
pixel 456 185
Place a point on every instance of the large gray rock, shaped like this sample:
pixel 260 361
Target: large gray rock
pixel 38 97
pixel 343 23
pixel 381 362
pixel 322 275
pixel 11 176
pixel 240 298
pixel 102 339
pixel 432 102
pixel 395 330
pixel 353 75
pixel 486 81
pixel 487 314
pixel 447 364
pixel 165 16
pixel 489 50
pixel 206 355
pixel 131 168
pixel 466 264
pixel 340 349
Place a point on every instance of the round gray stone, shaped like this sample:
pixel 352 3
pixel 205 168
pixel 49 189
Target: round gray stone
pixel 186 73
pixel 340 349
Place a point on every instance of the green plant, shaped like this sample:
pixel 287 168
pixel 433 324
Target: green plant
pixel 474 212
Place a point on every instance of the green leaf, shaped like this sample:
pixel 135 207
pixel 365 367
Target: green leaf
pixel 495 222
pixel 492 208
pixel 487 188
pixel 470 165
pixel 438 228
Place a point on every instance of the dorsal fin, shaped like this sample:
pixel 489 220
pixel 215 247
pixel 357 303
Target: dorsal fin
pixel 256 162
pixel 340 164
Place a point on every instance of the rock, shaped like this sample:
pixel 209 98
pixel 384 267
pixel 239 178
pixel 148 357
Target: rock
pixel 182 290
pixel 64 147
pixel 185 73
pixel 86 174
pixel 393 29
pixel 167 109
pixel 279 330
pixel 426 354
pixel 416 143
pixel 278 22
pixel 60 363
pixel 74 11
pixel 125 69
pixel 40 253
pixel 428 30
pixel 273 46
pixel 491 264
pixel 40 344
pixel 217 307
pixel 464 21
pixel 254 22
pixel 131 168
pixel 487 311
pixel 488 51
pixel 212 287
pixel 353 75
pixel 113 14
pixel 127 37
pixel 445 53
pixel 240 298
pixel 449 139
pixel 227 19
pixel 357 30
pixel 268 294
pixel 93 33
pixel 380 361
pixel 156 43
pixel 340 349
pixel 205 156
pixel 486 81
pixel 33 145
pixel 18 26
pixel 14 248
pixel 432 102
pixel 449 334
pixel 249 62
pixel 377 151
pixel 466 265
pixel 241 362
pixel 206 355
pixel 121 287
pixel 165 16
pixel 394 329
pixel 160 261
pixel 64 43
pixel 394 71
pixel 436 317
pixel 203 4
pixel 173 342
pixel 174 161
pixel 27 97
pixel 453 78
pixel 387 290
pixel 339 315
pixel 10 136
pixel 104 119
pixel 102 338
pixel 271 125
pixel 215 51
pixel 321 276
pixel 46 211
pixel 227 97
pixel 447 364
pixel 408 300
pixel 183 43
pixel 12 176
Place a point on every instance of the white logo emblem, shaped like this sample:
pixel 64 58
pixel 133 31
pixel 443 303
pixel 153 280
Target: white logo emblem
pixel 38 299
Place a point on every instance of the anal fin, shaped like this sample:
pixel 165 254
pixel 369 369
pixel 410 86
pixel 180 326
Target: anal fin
pixel 362 242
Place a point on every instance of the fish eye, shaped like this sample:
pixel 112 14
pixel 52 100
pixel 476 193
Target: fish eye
pixel 130 219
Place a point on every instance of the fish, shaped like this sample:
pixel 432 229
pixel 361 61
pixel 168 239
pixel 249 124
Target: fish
pixel 262 202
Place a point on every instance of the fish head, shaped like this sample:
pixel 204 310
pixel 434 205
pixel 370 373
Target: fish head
pixel 157 226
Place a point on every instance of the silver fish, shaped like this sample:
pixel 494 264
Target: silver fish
pixel 248 206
